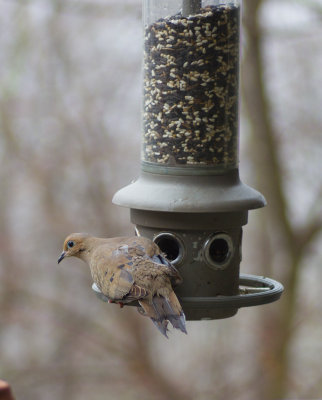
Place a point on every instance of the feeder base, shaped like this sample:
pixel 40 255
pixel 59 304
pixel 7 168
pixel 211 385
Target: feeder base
pixel 253 291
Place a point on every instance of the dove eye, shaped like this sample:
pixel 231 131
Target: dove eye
pixel 70 244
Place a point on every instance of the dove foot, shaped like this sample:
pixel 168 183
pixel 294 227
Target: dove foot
pixel 116 302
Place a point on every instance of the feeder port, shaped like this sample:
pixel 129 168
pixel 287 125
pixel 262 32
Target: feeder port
pixel 218 250
pixel 171 245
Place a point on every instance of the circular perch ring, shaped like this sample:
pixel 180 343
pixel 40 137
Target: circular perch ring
pixel 253 291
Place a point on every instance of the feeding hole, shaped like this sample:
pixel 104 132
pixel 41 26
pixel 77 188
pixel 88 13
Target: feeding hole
pixel 171 245
pixel 218 250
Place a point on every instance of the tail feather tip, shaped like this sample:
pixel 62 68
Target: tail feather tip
pixel 162 326
pixel 178 322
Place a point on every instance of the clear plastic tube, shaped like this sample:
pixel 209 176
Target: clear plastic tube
pixel 191 83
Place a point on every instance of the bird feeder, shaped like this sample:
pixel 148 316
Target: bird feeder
pixel 189 198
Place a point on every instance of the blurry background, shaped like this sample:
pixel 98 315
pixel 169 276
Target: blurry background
pixel 70 95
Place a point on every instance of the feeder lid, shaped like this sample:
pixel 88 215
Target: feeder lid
pixel 185 193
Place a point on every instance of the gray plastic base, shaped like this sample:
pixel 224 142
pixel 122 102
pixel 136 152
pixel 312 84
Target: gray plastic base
pixel 254 290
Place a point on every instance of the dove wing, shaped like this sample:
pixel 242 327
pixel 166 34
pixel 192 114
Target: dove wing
pixel 150 262
pixel 114 275
pixel 150 250
pixel 128 273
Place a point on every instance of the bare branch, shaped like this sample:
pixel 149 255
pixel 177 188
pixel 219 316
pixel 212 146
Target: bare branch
pixel 307 235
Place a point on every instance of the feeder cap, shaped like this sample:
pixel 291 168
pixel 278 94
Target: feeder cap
pixel 197 194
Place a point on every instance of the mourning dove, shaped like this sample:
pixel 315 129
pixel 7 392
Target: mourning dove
pixel 126 269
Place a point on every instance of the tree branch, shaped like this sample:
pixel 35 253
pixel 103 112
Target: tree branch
pixel 270 182
pixel 307 235
pixel 259 111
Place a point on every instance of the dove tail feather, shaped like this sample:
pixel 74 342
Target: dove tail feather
pixel 162 325
pixel 150 310
pixel 177 321
pixel 163 310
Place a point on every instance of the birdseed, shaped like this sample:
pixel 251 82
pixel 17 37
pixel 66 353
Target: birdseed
pixel 191 68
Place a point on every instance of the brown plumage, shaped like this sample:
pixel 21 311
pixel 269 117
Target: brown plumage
pixel 126 269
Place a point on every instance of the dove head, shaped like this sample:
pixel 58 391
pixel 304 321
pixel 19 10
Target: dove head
pixel 74 245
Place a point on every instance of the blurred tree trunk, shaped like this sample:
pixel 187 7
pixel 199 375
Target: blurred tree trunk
pixel 277 227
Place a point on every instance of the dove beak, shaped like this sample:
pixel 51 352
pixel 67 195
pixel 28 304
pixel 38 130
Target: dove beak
pixel 61 257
